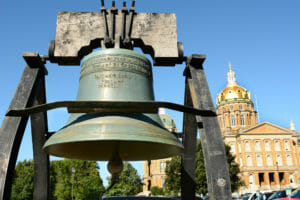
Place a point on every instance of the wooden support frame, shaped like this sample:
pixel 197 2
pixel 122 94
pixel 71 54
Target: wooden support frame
pixel 30 91
pixel 39 129
pixel 197 94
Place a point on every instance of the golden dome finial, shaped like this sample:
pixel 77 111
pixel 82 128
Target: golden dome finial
pixel 231 77
pixel 292 126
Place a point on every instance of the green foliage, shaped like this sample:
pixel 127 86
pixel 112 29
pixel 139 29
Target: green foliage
pixel 87 182
pixel 173 173
pixel 130 183
pixel 22 188
pixel 172 182
pixel 157 191
pixel 234 171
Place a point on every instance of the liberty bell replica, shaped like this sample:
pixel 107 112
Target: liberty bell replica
pixel 114 74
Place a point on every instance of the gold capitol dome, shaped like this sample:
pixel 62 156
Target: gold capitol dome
pixel 232 92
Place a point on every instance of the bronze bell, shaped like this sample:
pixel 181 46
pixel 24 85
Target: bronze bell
pixel 114 75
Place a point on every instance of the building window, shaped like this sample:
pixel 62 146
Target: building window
pixel 291 178
pixel 258 160
pixel 269 160
pixel 232 148
pixel 233 120
pixel 278 160
pixel 163 180
pixel 277 146
pixel 242 120
pixel 247 146
pixel 249 160
pixel 163 165
pixel 251 179
pixel 289 160
pixel 267 146
pixel 241 107
pixel 257 146
pixel 287 145
pixel 231 108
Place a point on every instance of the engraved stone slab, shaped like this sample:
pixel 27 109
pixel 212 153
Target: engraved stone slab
pixel 77 33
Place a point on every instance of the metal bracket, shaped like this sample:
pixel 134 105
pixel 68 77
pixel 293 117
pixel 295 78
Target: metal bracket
pixel 109 106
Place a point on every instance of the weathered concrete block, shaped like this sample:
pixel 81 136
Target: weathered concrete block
pixel 77 33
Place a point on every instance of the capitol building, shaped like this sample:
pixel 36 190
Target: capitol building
pixel 268 154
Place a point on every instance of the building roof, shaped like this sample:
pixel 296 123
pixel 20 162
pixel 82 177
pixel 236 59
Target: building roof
pixel 268 128
pixel 167 120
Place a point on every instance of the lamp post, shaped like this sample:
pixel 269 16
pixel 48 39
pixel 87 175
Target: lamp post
pixel 73 175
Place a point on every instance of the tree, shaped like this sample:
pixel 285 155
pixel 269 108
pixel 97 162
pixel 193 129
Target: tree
pixel 173 168
pixel 22 188
pixel 87 182
pixel 157 191
pixel 129 183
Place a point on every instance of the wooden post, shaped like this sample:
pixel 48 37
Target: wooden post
pixel 39 128
pixel 12 129
pixel 189 140
pixel 217 173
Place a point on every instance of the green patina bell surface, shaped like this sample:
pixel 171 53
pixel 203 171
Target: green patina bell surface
pixel 114 75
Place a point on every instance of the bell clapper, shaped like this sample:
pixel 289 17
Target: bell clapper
pixel 115 167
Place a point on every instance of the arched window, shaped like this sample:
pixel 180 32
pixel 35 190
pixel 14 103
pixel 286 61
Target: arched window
pixel 247 146
pixel 232 148
pixel 287 145
pixel 232 120
pixel 269 160
pixel 163 180
pixel 277 146
pixel 278 160
pixel 249 160
pixel 251 179
pixel 163 165
pixel 257 146
pixel 291 178
pixel 258 160
pixel 242 120
pixel 267 146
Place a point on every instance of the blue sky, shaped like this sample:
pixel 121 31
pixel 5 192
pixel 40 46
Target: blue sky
pixel 261 38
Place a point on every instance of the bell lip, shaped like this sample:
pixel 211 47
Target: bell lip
pixel 112 51
pixel 102 131
pixel 55 150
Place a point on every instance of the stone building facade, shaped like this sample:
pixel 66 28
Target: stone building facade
pixel 268 154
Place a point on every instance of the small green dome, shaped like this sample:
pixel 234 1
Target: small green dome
pixel 168 121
